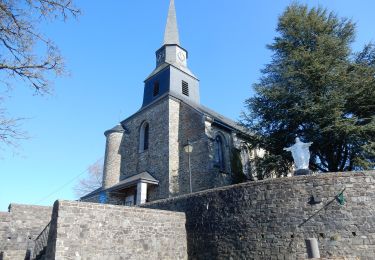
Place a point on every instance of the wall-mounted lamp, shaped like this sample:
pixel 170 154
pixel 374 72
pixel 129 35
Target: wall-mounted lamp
pixel 188 148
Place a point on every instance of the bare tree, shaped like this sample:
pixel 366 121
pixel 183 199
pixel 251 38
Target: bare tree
pixel 19 60
pixel 92 181
pixel 10 129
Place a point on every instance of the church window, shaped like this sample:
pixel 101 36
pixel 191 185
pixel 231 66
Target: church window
pixel 144 137
pixel 185 88
pixel 156 88
pixel 219 152
pixel 145 143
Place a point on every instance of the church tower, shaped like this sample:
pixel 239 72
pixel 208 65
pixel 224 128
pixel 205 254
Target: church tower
pixel 171 75
pixel 146 157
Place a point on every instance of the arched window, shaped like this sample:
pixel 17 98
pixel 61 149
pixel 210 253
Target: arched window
pixel 144 137
pixel 219 152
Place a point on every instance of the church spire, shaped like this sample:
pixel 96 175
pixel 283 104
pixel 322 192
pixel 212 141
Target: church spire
pixel 171 35
pixel 171 75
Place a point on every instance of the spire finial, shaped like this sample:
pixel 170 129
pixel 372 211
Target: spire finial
pixel 171 35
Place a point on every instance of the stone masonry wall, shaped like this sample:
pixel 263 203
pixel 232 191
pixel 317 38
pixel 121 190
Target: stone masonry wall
pixel 195 127
pixel 222 177
pixel 5 220
pixel 20 227
pixel 174 147
pixel 172 123
pixel 94 231
pixel 271 219
pixel 112 162
pixel 13 255
pixel 154 159
pixel 192 128
pixel 112 199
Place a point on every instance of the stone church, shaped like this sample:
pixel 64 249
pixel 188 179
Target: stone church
pixel 172 145
pixel 175 146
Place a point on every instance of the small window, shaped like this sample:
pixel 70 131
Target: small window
pixel 219 152
pixel 185 88
pixel 156 88
pixel 145 143
pixel 144 137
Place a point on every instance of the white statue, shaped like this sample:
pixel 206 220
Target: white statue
pixel 301 154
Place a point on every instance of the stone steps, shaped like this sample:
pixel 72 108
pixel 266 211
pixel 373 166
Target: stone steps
pixel 41 255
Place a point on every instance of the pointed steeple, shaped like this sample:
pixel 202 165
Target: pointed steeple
pixel 171 75
pixel 171 35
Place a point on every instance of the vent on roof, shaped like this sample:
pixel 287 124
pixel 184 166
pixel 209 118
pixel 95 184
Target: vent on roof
pixel 156 88
pixel 185 88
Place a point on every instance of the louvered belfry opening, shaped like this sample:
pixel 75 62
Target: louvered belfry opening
pixel 185 88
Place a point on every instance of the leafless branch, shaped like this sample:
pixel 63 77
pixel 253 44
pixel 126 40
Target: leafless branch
pixel 10 130
pixel 19 35
pixel 92 181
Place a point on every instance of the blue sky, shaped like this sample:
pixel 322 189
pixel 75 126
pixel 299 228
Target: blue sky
pixel 110 50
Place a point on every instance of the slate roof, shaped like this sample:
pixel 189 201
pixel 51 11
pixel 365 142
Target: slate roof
pixel 132 180
pixel 95 192
pixel 166 65
pixel 117 129
pixel 171 35
pixel 218 118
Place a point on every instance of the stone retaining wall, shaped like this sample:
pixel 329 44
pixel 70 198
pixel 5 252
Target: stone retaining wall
pixel 94 231
pixel 19 228
pixel 271 219
pixel 13 255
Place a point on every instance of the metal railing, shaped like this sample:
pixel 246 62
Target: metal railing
pixel 41 242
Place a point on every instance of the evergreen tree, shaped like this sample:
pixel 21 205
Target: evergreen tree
pixel 238 175
pixel 317 88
